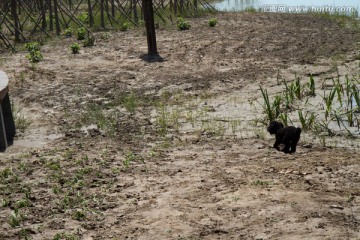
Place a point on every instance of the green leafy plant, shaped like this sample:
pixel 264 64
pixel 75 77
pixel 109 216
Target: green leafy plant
pixel 288 95
pixel 89 41
pixel 307 121
pixel 79 215
pixel 350 117
pixel 130 102
pixel 105 121
pixel 22 203
pixel 276 105
pixel 296 87
pixel 75 48
pixel 105 36
pixel 32 46
pixel 130 156
pixel 284 117
pixel 267 106
pixel 356 96
pixel 68 32
pixel 212 22
pixel 35 56
pixel 251 10
pixel 5 173
pixel 124 26
pixel 22 122
pixel 65 236
pixel 328 102
pixel 15 218
pixel 81 33
pixel 84 17
pixel 262 183
pixel 311 86
pixel 182 24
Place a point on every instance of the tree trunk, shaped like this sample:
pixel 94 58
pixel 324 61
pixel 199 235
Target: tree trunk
pixel 57 21
pixel 16 20
pixel 150 27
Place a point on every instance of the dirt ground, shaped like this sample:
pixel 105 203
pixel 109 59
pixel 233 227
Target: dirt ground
pixel 117 147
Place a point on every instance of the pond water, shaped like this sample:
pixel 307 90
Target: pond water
pixel 291 6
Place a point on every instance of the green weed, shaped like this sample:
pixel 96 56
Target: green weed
pixel 75 48
pixel 84 18
pixel 15 218
pixel 21 203
pixel 89 41
pixel 105 121
pixel 182 24
pixel 284 117
pixel 212 22
pixel 328 100
pixel 267 106
pixel 68 32
pixel 311 86
pixel 79 215
pixel 32 46
pixel 261 183
pixel 124 26
pixel 81 33
pixel 130 157
pixel 307 121
pixel 22 123
pixel 35 56
pixel 130 102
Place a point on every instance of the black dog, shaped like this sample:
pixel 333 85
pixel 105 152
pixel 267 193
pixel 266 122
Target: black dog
pixel 289 136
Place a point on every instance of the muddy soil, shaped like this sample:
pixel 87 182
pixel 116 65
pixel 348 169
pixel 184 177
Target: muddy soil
pixel 119 148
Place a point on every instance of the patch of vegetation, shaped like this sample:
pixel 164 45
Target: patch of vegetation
pixel 341 105
pixel 75 48
pixel 22 122
pixel 212 22
pixel 124 26
pixel 81 33
pixel 68 32
pixel 182 24
pixel 32 46
pixel 84 18
pixel 35 56
pixel 105 121
pixel 89 41
pixel 261 183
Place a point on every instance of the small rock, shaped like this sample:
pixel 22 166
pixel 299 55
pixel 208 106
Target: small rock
pixel 337 207
pixel 87 238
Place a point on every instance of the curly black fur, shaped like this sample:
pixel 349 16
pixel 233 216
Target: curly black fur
pixel 289 136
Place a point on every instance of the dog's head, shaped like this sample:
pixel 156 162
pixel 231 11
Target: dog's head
pixel 274 127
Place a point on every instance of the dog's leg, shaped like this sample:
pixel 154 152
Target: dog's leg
pixel 276 145
pixel 293 148
pixel 287 148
